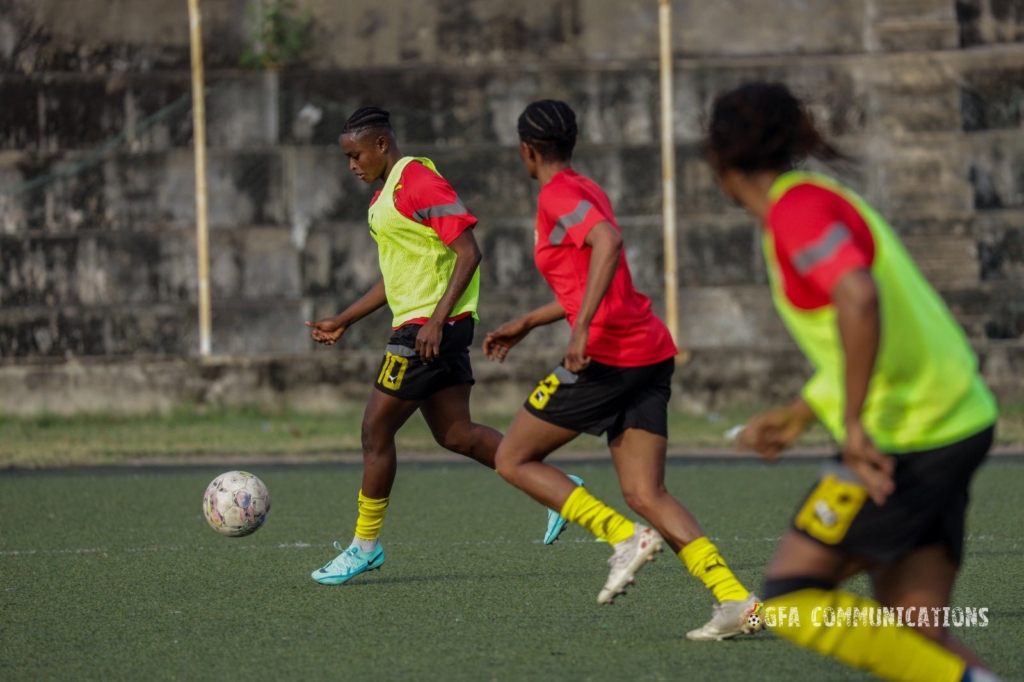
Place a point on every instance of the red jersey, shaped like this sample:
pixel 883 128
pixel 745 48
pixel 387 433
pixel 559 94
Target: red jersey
pixel 425 197
pixel 624 331
pixel 819 237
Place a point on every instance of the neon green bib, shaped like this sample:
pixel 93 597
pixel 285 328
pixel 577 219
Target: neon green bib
pixel 925 391
pixel 414 261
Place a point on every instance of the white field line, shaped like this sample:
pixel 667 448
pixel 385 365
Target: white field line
pixel 306 545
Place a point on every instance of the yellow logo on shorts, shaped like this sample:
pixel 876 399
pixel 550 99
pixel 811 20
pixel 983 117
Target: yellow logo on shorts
pixel 545 389
pixel 393 371
pixel 830 509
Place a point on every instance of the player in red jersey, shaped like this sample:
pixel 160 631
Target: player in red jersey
pixel 615 379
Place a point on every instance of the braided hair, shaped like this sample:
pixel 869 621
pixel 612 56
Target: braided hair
pixel 366 119
pixel 763 127
pixel 549 126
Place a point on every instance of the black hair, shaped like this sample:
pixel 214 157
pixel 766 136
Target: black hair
pixel 549 126
pixel 372 119
pixel 763 127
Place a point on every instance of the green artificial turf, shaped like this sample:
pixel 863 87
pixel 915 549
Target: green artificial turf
pixel 114 574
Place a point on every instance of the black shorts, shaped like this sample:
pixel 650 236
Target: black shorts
pixel 928 507
pixel 603 398
pixel 404 375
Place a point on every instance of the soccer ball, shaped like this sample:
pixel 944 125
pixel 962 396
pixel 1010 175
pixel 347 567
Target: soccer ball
pixel 754 620
pixel 236 503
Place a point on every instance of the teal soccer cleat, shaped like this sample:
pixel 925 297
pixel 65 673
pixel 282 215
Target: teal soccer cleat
pixel 556 522
pixel 347 565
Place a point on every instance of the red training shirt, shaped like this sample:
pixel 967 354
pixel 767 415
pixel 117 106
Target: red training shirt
pixel 624 331
pixel 819 237
pixel 421 189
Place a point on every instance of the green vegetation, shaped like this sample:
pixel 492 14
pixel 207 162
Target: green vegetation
pixel 114 575
pixel 279 36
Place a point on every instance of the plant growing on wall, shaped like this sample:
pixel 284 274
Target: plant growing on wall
pixel 279 35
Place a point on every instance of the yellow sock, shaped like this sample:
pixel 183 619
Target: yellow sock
pixel 890 652
pixel 371 517
pixel 597 517
pixel 707 565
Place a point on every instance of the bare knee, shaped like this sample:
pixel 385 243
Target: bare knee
pixel 507 465
pixel 458 439
pixel 376 441
pixel 644 500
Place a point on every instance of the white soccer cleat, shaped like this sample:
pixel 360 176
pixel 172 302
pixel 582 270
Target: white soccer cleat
pixel 730 618
pixel 629 557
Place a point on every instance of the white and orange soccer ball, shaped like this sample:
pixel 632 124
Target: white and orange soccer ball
pixel 236 503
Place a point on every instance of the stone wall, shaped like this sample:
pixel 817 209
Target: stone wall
pixel 97 251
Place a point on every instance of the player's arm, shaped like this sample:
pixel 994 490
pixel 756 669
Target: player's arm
pixel 499 342
pixel 855 297
pixel 771 432
pixel 329 330
pixel 467 260
pixel 606 248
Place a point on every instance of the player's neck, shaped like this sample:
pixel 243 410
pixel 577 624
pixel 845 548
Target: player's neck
pixel 394 156
pixel 547 171
pixel 753 193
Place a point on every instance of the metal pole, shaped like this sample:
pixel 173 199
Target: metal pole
pixel 668 169
pixel 199 142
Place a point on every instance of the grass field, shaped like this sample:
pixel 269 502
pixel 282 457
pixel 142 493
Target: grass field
pixel 192 434
pixel 113 574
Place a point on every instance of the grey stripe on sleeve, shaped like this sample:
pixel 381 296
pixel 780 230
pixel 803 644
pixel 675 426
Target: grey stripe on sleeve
pixel 835 237
pixel 441 211
pixel 569 221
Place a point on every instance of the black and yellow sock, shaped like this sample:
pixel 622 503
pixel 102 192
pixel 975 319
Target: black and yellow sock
pixel 892 653
pixel 707 565
pixel 371 517
pixel 597 517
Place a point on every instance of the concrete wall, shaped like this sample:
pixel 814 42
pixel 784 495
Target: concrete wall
pixel 97 252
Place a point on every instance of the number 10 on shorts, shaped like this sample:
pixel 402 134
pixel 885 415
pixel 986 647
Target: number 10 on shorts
pixel 393 371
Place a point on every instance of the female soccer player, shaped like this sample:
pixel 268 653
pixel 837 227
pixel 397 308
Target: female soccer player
pixel 615 379
pixel 895 382
pixel 430 278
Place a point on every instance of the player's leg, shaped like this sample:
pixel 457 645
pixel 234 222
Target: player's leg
pixel 639 458
pixel 520 461
pixel 384 415
pixel 447 415
pixel 924 578
pixel 803 575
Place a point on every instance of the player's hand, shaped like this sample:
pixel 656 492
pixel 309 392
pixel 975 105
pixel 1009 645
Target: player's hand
pixel 771 432
pixel 874 469
pixel 499 342
pixel 576 359
pixel 428 341
pixel 326 331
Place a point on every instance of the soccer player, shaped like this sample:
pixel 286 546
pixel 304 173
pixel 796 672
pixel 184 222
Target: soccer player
pixel 430 278
pixel 895 382
pixel 615 379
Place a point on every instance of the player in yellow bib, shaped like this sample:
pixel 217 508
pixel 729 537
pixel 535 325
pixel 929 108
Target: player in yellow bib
pixel 895 381
pixel 430 278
